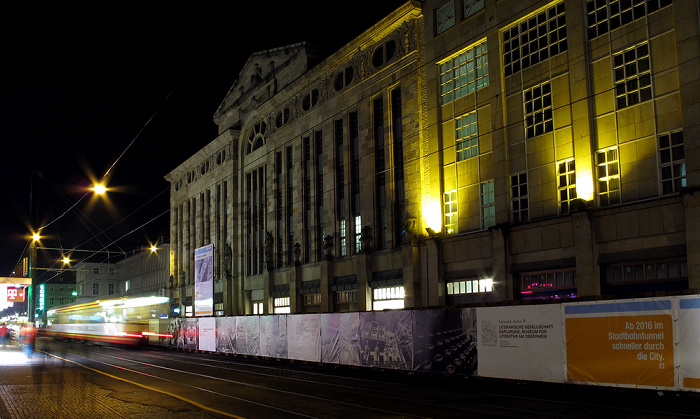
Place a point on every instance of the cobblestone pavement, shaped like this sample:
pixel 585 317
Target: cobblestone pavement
pixel 44 387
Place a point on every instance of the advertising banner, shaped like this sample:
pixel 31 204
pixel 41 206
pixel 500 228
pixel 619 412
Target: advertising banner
pixel 207 334
pixel 226 335
pixel 304 337
pixel 273 336
pixel 386 339
pixel 521 342
pixel 689 342
pixel 204 281
pixel 340 338
pixel 248 335
pixel 445 341
pixel 189 331
pixel 623 343
pixel 15 294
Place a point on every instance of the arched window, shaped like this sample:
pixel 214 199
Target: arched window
pixel 384 53
pixel 310 100
pixel 343 79
pixel 256 136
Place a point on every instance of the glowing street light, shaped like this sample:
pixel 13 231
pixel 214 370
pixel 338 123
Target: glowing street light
pixel 99 189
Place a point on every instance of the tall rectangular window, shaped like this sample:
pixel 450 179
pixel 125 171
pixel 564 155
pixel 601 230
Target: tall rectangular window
pixel 343 239
pixel 464 73
pixel 308 233
pixel 279 209
pixel 519 197
pixel 608 173
pixel 538 110
pixel 355 178
pixel 672 162
pixel 632 76
pixel 488 205
pixel 566 184
pixel 290 205
pixel 451 215
pixel 340 184
pixel 534 39
pixel 110 288
pixel 255 217
pixel 320 221
pixel 399 187
pixel 95 288
pixel 380 172
pixel 467 136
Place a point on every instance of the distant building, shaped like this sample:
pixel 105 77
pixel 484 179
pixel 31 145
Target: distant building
pixel 142 272
pixel 457 152
pixel 60 289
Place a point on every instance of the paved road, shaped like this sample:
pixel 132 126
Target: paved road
pixel 78 381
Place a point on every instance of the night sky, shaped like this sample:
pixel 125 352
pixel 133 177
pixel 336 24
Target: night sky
pixel 79 85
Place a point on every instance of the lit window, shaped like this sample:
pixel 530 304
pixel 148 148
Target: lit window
pixel 488 206
pixel 445 17
pixel 519 197
pixel 358 234
pixel 632 76
pixel 451 220
pixel 470 286
pixel 464 73
pixel 672 162
pixel 538 110
pixel 547 280
pixel 566 184
pixel 467 137
pixel 389 298
pixel 343 239
pixel 346 296
pixel 258 308
pixel 608 176
pixel 534 39
pixel 282 305
pixel 311 299
pixel 472 6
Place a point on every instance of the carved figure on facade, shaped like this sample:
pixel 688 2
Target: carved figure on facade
pixel 366 239
pixel 228 261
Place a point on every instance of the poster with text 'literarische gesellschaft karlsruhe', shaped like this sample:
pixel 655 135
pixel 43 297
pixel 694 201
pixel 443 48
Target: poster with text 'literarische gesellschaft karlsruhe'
pixel 204 281
pixel 521 342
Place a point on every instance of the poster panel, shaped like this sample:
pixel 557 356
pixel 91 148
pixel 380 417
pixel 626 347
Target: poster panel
pixel 248 335
pixel 304 337
pixel 386 339
pixel 226 335
pixel 340 338
pixel 207 334
pixel 190 333
pixel 445 341
pixel 689 342
pixel 620 342
pixel 521 342
pixel 273 336
pixel 176 331
pixel 204 281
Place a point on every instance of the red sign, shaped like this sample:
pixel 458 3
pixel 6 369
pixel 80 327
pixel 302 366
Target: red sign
pixel 15 295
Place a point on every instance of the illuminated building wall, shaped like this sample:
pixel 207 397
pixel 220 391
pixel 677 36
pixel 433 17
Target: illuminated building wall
pixel 457 152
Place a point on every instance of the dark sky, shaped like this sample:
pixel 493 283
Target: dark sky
pixel 78 85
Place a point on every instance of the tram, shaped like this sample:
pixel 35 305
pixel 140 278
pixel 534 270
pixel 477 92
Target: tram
pixel 126 321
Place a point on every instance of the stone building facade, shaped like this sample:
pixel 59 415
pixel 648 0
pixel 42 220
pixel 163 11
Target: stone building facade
pixel 141 273
pixel 457 152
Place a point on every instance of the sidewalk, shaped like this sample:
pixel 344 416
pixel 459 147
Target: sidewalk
pixel 45 387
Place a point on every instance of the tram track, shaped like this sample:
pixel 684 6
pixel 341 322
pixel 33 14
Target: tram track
pixel 303 388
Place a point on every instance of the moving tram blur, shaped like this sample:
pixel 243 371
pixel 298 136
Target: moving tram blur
pixel 125 321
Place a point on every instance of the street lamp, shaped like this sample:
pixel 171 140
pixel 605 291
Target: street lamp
pixel 31 304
